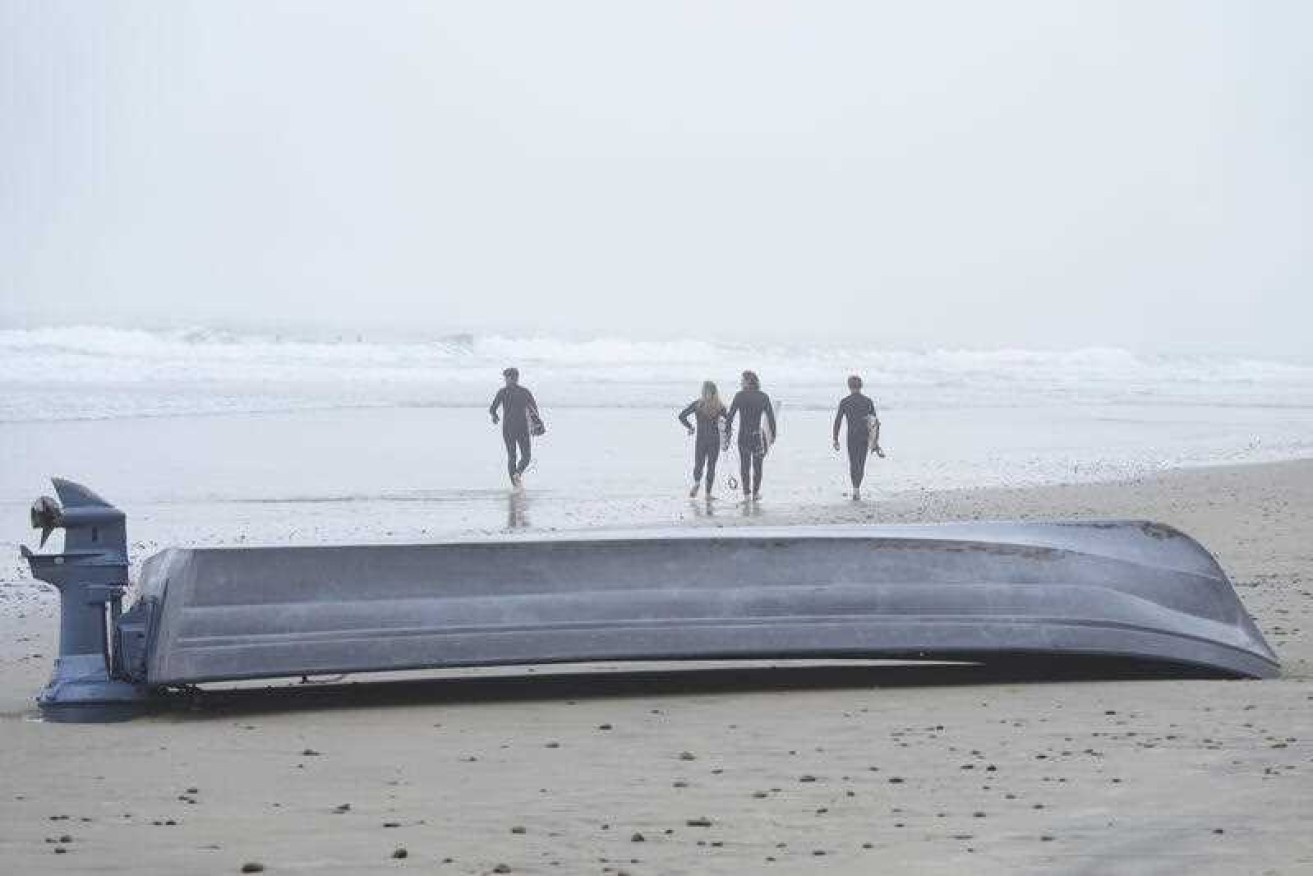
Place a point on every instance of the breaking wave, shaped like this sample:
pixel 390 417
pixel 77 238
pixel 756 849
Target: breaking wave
pixel 91 371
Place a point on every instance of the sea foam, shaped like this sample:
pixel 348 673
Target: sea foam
pixel 85 372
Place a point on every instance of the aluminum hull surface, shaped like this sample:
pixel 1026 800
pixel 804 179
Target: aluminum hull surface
pixel 973 590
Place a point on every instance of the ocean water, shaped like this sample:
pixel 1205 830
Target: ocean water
pixel 211 437
pixel 103 373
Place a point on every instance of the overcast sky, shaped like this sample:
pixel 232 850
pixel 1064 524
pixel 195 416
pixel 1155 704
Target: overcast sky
pixel 1039 174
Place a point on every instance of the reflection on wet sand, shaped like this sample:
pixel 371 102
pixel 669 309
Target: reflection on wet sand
pixel 749 508
pixel 517 511
pixel 705 508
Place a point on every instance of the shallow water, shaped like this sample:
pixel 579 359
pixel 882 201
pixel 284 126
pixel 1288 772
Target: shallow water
pixel 209 438
pixel 415 473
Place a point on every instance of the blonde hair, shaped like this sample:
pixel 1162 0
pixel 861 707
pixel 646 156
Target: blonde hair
pixel 710 404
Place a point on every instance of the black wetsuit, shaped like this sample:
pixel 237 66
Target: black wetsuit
pixel 515 402
pixel 706 448
pixel 750 404
pixel 856 408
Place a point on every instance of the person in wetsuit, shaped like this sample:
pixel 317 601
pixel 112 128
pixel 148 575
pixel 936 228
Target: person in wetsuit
pixel 750 403
pixel 710 412
pixel 855 409
pixel 517 404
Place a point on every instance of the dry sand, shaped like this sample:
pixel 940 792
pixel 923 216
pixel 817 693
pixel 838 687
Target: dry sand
pixel 844 770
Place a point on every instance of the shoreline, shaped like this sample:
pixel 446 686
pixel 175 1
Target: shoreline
pixel 837 768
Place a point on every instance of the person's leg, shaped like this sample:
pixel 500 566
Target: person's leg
pixel 713 451
pixel 757 462
pixel 699 460
pixel 526 453
pixel 857 462
pixel 510 454
pixel 745 468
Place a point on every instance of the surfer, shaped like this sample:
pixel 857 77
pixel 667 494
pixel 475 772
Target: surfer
pixel 863 432
pixel 710 413
pixel 755 438
pixel 519 414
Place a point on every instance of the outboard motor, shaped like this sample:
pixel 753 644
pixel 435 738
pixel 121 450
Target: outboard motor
pixel 91 574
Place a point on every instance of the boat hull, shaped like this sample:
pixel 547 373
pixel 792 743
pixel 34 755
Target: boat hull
pixel 973 591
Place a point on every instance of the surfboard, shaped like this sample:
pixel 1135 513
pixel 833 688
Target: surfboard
pixel 766 437
pixel 536 427
pixel 873 435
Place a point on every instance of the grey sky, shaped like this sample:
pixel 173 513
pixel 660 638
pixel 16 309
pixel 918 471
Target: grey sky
pixel 1035 174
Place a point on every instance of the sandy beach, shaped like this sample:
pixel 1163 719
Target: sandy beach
pixel 718 769
pixel 277 279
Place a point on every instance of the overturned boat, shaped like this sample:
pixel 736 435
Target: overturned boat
pixel 976 592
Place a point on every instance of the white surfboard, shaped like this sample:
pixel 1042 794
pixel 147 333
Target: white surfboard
pixel 873 435
pixel 767 433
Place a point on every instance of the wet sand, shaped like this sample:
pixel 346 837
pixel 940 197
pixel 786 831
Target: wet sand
pixel 839 769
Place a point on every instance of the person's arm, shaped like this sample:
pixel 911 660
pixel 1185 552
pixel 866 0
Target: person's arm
pixel 498 400
pixel 729 416
pixel 770 417
pixel 683 416
pixel 838 417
